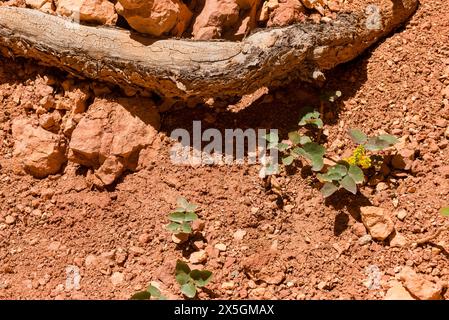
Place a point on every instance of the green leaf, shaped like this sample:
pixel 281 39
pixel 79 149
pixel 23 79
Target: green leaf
pixel 273 145
pixel 304 139
pixel 298 152
pixel 311 118
pixel 376 144
pixel 180 210
pixel 339 170
pixel 314 152
pixel 154 291
pixel 189 290
pixel 294 137
pixel 288 160
pixel 328 177
pixel 142 295
pixel 201 277
pixel 389 138
pixel 356 173
pixel 445 211
pixel 349 184
pixel 283 146
pixel 191 207
pixel 177 217
pixel 173 227
pixel 317 162
pixel 272 137
pixel 314 149
pixel 328 189
pixel 182 202
pixel 190 216
pixel 357 136
pixel 182 267
pixel 182 278
pixel 186 228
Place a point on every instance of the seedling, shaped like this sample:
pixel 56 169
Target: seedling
pixel 182 217
pixel 151 292
pixel 300 145
pixel 191 280
pixel 444 211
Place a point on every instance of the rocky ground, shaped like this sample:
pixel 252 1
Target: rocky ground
pixel 197 19
pixel 86 184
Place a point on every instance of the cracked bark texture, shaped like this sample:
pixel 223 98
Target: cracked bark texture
pixel 182 69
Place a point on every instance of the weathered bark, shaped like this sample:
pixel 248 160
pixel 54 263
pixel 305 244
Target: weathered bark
pixel 184 68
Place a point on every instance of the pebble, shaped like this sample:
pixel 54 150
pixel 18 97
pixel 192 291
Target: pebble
pixel 10 220
pixel 117 278
pixel 401 214
pixel 220 247
pixel 377 221
pixel 398 240
pixel 198 257
pixel 228 285
pixel 180 238
pixel 144 238
pixel 239 235
pixel 364 240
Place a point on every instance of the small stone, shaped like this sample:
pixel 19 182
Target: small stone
pixel 90 260
pixel 121 256
pixel 359 229
pixel 398 240
pixel 377 221
pixel 228 285
pixel 54 246
pixel 198 244
pixel 10 219
pixel 322 285
pixel 254 210
pixel 401 214
pixel 117 278
pixel 398 292
pixel 220 247
pixel 239 235
pixel 198 225
pixel 419 286
pixel 381 186
pixel 137 250
pixel 144 238
pixel 364 240
pixel 288 208
pixel 180 238
pixel 198 257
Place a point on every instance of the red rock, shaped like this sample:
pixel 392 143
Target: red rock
pixel 94 11
pixel 155 17
pixel 288 12
pixel 419 286
pixel 111 134
pixel 398 292
pixel 40 152
pixel 377 221
pixel 226 19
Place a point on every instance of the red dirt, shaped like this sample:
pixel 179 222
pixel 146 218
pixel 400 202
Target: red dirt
pixel 295 247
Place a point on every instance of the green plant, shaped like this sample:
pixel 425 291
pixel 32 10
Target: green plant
pixel 445 211
pixel 300 145
pixel 346 173
pixel 191 280
pixel 151 292
pixel 182 217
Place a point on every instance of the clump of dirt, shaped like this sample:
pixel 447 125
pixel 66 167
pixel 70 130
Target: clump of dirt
pixel 260 243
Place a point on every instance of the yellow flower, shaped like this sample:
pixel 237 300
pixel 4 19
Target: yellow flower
pixel 359 158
